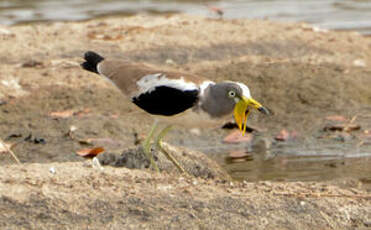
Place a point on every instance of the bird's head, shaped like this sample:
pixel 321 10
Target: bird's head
pixel 240 93
pixel 233 97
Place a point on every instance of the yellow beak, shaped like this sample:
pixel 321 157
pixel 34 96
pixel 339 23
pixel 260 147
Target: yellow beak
pixel 241 111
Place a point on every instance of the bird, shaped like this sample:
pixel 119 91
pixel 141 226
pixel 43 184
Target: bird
pixel 174 98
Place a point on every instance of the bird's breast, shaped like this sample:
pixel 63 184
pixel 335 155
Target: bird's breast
pixel 194 118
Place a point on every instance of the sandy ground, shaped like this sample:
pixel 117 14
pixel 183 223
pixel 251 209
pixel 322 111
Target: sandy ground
pixel 301 73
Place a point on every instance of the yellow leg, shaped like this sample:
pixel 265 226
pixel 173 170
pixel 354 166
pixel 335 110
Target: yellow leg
pixel 147 147
pixel 167 154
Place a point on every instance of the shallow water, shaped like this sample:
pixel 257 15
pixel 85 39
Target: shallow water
pixel 331 14
pixel 298 160
pixel 312 156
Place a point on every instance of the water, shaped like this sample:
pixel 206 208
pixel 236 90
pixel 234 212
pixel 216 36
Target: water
pixel 300 160
pixel 331 14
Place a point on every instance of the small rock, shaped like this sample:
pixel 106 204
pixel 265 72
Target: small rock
pixel 170 62
pixel 313 28
pixel 359 63
pixel 35 140
pixel 39 140
pixel 6 33
pixel 52 170
pixel 195 131
pixel 73 128
pixel 319 30
pixel 96 164
pixel 266 183
pixel 237 137
pixel 283 135
pixel 31 63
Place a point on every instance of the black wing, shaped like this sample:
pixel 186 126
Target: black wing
pixel 167 101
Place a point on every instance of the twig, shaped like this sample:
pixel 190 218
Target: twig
pixel 317 195
pixel 7 149
pixel 353 119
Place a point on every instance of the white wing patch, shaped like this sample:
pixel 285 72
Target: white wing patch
pixel 149 82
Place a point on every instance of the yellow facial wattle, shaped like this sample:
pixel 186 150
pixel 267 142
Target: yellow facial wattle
pixel 240 115
pixel 241 111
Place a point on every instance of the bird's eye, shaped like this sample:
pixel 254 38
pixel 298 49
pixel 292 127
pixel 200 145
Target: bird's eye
pixel 231 94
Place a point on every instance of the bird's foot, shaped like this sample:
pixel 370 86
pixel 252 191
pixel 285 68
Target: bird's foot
pixel 169 156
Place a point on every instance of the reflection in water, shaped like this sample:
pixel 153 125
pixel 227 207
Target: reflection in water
pixel 332 14
pixel 301 160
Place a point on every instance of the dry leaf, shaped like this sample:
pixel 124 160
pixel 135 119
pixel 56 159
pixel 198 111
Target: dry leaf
pixel 336 118
pixel 70 113
pixel 237 137
pixel 82 112
pixel 62 114
pixel 342 127
pixel 90 152
pixel 114 116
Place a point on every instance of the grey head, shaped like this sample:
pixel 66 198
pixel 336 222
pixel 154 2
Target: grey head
pixel 219 99
pixel 222 99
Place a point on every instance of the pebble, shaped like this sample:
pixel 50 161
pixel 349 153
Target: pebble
pixel 170 62
pixel 52 170
pixel 237 137
pixel 195 131
pixel 5 33
pixel 359 63
pixel 96 164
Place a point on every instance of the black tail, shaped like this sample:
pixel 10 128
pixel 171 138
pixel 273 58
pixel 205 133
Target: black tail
pixel 91 61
